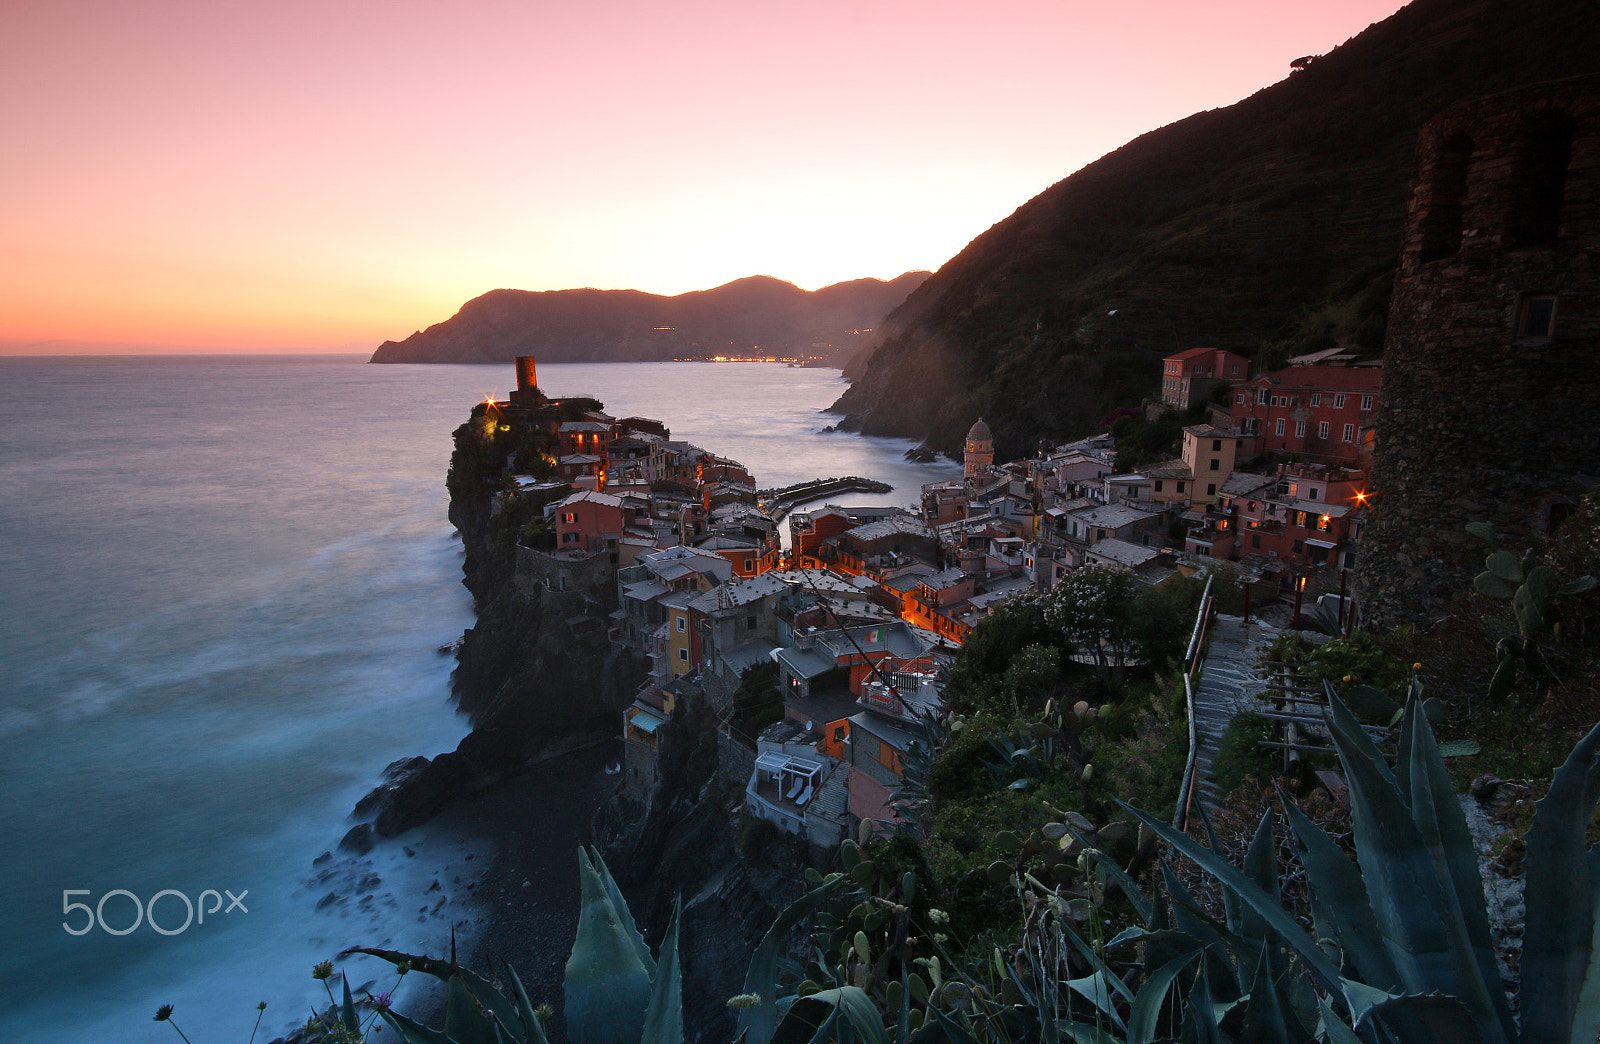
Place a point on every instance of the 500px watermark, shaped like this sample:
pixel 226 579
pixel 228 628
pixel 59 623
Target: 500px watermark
pixel 194 911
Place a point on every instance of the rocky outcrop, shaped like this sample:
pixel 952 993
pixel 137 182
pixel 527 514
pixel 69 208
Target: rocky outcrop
pixel 632 326
pixel 536 672
pixel 683 842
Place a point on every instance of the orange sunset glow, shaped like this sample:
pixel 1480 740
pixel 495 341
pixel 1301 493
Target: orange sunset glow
pixel 188 175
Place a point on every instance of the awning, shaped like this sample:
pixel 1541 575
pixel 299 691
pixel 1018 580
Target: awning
pixel 644 719
pixel 1321 543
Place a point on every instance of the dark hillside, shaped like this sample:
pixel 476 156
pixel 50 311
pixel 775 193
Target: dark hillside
pixel 1225 229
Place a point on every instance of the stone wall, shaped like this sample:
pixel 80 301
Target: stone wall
pixel 1490 407
pixel 572 576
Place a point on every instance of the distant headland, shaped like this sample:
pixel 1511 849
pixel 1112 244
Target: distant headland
pixel 755 317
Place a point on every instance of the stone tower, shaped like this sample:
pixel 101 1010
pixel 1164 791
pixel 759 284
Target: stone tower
pixel 980 450
pixel 1491 379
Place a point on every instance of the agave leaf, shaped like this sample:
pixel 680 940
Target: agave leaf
pixel 1492 586
pixel 1483 531
pixel 663 1019
pixel 347 1009
pixel 808 1015
pixel 1438 812
pixel 1268 1015
pixel 1230 902
pixel 530 1020
pixel 1402 881
pixel 757 1024
pixel 1341 895
pixel 413 1032
pixel 1223 949
pixel 1333 1029
pixel 624 912
pixel 1096 962
pixel 1437 1016
pixel 1412 860
pixel 482 989
pixel 1562 937
pixel 1152 998
pixel 607 986
pixel 1095 989
pixel 464 1020
pixel 1317 963
pixel 1261 866
pixel 1202 1012
pixel 441 970
pixel 956 1033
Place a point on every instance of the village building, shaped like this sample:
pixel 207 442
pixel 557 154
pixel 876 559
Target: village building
pixel 1316 413
pixel 797 788
pixel 1189 377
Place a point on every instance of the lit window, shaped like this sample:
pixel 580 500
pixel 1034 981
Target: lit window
pixel 569 517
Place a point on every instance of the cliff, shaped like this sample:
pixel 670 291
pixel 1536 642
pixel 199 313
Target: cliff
pixel 1276 220
pixel 536 672
pixel 632 326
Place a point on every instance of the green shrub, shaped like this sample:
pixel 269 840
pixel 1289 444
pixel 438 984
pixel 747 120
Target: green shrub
pixel 1240 754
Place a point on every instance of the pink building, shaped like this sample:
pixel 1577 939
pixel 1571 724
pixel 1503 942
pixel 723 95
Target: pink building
pixel 1315 413
pixel 1188 377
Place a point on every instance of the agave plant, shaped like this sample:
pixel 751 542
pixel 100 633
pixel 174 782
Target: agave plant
pixel 615 991
pixel 1413 960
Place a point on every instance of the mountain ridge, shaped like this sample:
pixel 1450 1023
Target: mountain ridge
pixel 592 325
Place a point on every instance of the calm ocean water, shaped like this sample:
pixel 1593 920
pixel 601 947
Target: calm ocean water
pixel 224 580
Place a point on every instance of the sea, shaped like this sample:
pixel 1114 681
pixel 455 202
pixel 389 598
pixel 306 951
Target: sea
pixel 224 584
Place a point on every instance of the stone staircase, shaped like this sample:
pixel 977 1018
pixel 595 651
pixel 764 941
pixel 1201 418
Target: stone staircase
pixel 1229 684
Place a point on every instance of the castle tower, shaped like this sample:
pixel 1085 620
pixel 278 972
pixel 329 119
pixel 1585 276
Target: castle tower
pixel 1490 401
pixel 527 392
pixel 979 451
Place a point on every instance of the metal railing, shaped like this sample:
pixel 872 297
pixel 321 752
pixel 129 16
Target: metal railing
pixel 1192 662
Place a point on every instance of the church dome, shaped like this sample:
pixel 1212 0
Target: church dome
pixel 980 432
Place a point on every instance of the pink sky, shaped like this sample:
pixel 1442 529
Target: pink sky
pixel 300 175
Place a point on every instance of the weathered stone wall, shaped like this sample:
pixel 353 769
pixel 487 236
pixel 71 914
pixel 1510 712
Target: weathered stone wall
pixel 567 575
pixel 1487 414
